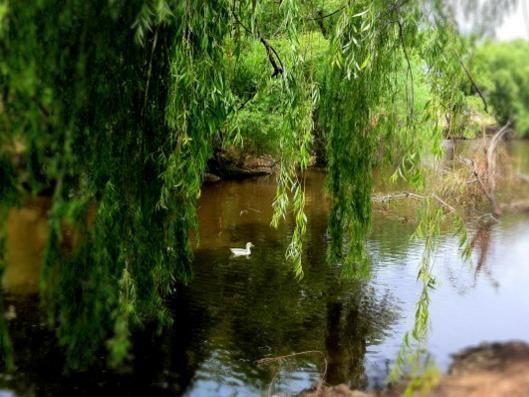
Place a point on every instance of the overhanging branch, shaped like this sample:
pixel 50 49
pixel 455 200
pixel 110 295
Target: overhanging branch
pixel 273 56
pixel 467 72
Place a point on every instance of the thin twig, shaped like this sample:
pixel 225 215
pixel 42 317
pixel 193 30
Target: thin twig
pixel 149 71
pixel 327 15
pixel 270 50
pixel 243 105
pixel 523 177
pixel 281 359
pixel 444 203
pixel 240 22
pixel 414 196
pixel 408 73
pixel 269 360
pixel 472 81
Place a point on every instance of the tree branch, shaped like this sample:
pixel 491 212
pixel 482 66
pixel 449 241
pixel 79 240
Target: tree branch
pixel 409 71
pixel 404 195
pixel 488 186
pixel 149 72
pixel 467 72
pixel 270 51
pixel 327 15
pixel 273 56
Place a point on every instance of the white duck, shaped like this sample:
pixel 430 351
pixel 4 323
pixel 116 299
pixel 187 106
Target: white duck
pixel 242 251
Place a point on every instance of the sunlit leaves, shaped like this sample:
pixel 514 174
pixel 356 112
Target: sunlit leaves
pixel 355 86
pixel 4 9
pixel 409 357
pixel 119 345
pixel 503 70
pixel 298 100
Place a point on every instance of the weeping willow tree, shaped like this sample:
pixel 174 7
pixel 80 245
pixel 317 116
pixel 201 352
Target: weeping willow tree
pixel 119 104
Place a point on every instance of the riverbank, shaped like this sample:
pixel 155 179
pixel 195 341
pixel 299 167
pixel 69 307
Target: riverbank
pixel 491 370
pixel 235 163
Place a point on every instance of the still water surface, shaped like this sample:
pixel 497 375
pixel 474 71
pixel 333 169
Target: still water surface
pixel 238 310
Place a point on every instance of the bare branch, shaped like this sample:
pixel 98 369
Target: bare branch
pixel 408 73
pixel 149 72
pixel 273 56
pixel 467 72
pixel 414 196
pixel 523 177
pixel 282 359
pixel 327 15
pixel 488 185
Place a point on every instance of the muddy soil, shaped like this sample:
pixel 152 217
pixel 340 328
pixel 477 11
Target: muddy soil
pixel 488 370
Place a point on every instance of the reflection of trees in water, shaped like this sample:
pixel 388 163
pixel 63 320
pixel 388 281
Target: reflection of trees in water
pixel 255 307
pixel 352 325
pixel 244 308
pixel 162 365
pixel 38 360
pixel 481 243
pixel 390 238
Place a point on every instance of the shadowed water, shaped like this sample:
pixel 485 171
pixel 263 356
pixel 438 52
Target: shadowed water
pixel 238 310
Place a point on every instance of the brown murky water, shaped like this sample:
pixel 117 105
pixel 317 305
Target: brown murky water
pixel 28 230
pixel 237 310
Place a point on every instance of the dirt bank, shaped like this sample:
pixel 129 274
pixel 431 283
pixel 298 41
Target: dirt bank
pixel 235 165
pixel 488 370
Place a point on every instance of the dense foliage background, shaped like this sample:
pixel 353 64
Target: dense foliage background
pixel 503 70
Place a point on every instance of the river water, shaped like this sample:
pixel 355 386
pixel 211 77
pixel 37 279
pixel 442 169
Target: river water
pixel 238 310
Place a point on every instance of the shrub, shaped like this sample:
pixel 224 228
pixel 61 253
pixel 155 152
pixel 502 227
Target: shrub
pixel 503 73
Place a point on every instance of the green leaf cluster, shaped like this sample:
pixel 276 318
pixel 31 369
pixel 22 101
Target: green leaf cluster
pixel 503 70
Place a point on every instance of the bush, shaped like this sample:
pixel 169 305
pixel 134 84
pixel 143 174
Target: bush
pixel 260 96
pixel 502 71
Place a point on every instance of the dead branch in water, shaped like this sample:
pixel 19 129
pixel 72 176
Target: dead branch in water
pixel 491 150
pixel 523 177
pixel 477 179
pixel 281 360
pixel 404 195
pixel 487 176
pixel 483 185
pixel 516 206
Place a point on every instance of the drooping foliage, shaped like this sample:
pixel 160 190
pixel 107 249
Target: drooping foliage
pixel 92 119
pixel 118 105
pixel 357 79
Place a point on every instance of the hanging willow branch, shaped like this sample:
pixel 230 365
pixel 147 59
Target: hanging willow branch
pixel 327 15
